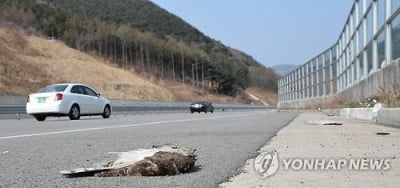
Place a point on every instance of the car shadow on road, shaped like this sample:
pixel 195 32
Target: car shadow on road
pixel 67 119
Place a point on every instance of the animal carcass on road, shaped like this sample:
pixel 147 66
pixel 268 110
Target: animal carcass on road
pixel 157 161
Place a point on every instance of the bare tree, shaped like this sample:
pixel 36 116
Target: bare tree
pixel 183 68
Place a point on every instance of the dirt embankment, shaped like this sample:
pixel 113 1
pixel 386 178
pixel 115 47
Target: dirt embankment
pixel 28 63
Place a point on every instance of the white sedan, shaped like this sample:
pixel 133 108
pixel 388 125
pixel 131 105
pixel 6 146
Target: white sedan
pixel 68 99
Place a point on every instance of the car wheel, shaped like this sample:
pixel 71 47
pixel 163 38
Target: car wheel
pixel 191 111
pixel 40 117
pixel 212 111
pixel 199 111
pixel 74 113
pixel 106 112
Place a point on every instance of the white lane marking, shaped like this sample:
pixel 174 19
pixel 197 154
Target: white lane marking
pixel 116 127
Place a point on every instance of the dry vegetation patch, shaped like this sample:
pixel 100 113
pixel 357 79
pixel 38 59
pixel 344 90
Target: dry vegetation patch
pixel 185 92
pixel 18 76
pixel 28 63
pixel 70 65
pixel 265 96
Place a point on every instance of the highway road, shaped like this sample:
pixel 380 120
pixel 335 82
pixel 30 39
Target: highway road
pixel 32 153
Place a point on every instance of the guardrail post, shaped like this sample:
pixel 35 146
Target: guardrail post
pixel 125 107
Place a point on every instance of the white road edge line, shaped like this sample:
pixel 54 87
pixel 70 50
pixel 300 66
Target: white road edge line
pixel 115 127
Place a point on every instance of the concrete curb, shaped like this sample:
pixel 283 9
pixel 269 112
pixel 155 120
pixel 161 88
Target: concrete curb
pixel 389 116
pixel 385 116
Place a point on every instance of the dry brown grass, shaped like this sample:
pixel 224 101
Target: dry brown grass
pixel 28 63
pixel 263 95
pixel 188 93
pixel 334 102
pixel 390 97
pixel 16 75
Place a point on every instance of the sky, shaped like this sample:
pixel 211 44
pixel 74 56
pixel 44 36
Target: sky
pixel 272 31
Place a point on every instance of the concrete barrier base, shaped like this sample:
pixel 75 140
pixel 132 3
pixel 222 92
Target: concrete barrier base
pixel 389 116
pixel 385 116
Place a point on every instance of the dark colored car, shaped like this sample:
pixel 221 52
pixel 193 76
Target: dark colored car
pixel 201 106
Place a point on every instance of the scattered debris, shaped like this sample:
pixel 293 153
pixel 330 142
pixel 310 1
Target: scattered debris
pixel 324 122
pixel 157 161
pixel 375 110
pixel 377 107
pixel 382 133
pixel 5 152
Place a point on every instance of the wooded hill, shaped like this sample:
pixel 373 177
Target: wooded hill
pixel 139 35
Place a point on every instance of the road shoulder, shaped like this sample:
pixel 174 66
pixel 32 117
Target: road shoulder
pixel 306 139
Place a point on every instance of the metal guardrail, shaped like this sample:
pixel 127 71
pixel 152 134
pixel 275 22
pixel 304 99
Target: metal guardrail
pixel 13 106
pixel 12 109
pixel 20 109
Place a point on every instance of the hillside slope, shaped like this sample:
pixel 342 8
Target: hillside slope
pixel 141 14
pixel 148 17
pixel 28 63
pixel 139 34
pixel 134 35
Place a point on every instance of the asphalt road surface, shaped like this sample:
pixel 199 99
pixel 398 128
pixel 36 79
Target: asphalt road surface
pixel 32 153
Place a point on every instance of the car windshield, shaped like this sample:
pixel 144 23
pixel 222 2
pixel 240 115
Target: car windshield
pixel 53 88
